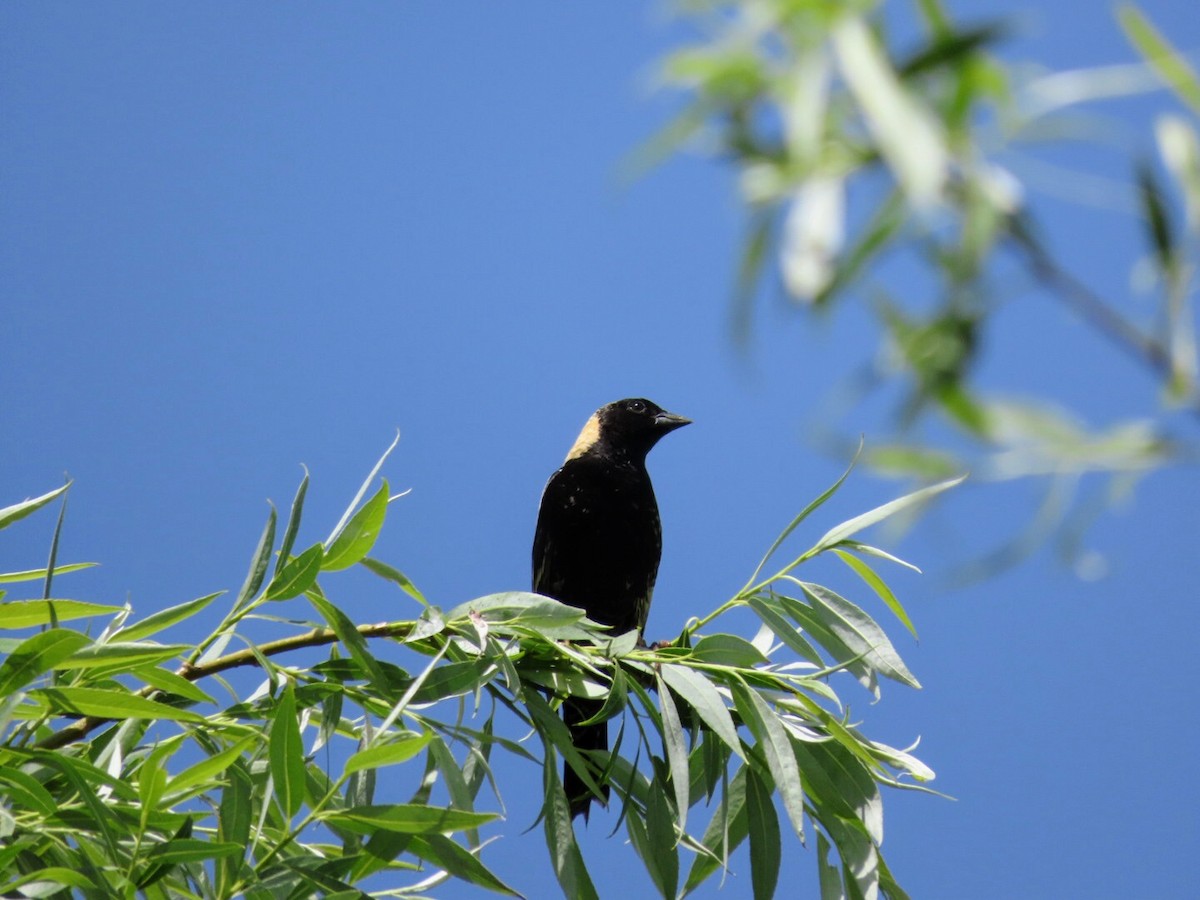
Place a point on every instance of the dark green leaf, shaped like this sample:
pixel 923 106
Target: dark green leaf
pixel 353 641
pixel 406 818
pixel 459 862
pixel 569 867
pixel 186 850
pixel 773 738
pixel 700 694
pixel 763 827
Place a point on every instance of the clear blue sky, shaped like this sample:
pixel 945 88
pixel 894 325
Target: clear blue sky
pixel 235 238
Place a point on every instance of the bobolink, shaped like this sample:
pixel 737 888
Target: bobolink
pixel 598 543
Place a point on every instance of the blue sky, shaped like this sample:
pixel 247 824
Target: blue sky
pixel 237 238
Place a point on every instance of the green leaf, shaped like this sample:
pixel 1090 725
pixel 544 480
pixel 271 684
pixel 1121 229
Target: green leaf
pixel 293 525
pixel 878 585
pixel 763 828
pixel 353 641
pixel 653 856
pixel 170 683
pixel 46 881
pixel 676 751
pixel 121 655
pixel 569 867
pixel 27 613
pixel 772 737
pixel 358 536
pixel 233 822
pixel 258 563
pixel 186 850
pixel 406 818
pixel 40 574
pixel 37 655
pixel 726 830
pixel 108 704
pixel 839 533
pixel 728 650
pixel 860 633
pixel 297 576
pixel 401 748
pixel 459 862
pixel 207 769
pixel 383 570
pixel 165 618
pixel 362 492
pixel 17 511
pixel 829 877
pixel 25 790
pixel 286 753
pixel 700 694
pixel 784 630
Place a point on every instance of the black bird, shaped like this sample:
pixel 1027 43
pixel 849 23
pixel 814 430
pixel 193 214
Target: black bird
pixel 598 543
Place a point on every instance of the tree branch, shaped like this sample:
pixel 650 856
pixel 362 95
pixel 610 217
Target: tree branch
pixel 317 637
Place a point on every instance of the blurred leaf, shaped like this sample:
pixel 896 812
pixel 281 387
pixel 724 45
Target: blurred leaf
pixel 286 753
pixel 1154 207
pixel 37 655
pixel 1167 61
pixel 758 241
pixel 18 511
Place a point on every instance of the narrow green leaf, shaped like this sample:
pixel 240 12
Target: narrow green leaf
pixel 25 790
pixel 676 751
pixel 569 867
pixel 459 862
pixel 353 641
pixel 772 737
pixel 804 514
pixel 726 830
pixel 40 574
pixel 860 633
pixel 233 822
pixel 108 704
pixel 286 753
pixel 763 827
pixel 27 613
pixel 401 748
pixel 358 536
pixel 165 618
pixel 297 576
pixel 839 533
pixel 653 857
pixel 700 694
pixel 828 874
pixel 121 655
pixel 878 585
pixel 383 570
pixel 37 655
pixel 293 525
pixel 406 818
pixel 17 511
pixel 362 492
pixel 170 683
pixel 186 850
pixel 46 881
pixel 258 563
pixel 208 769
pixel 661 835
pixel 785 631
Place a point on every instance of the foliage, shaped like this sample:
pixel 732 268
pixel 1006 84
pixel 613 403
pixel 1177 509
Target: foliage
pixel 858 161
pixel 134 767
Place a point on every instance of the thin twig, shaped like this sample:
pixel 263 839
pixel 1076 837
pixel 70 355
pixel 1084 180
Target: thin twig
pixel 317 637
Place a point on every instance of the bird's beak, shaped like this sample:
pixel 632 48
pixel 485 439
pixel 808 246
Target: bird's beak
pixel 669 421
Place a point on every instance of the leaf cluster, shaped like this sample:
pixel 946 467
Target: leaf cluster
pixel 132 766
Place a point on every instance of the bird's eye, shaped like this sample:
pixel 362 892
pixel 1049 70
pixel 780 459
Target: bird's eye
pixel 637 406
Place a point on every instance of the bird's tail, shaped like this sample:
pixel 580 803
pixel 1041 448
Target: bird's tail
pixel 584 737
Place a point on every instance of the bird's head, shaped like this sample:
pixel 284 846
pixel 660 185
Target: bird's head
pixel 627 428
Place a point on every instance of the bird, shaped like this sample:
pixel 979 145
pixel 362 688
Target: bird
pixel 598 543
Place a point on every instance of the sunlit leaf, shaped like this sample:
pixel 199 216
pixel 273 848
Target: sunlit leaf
pixel 358 536
pixel 27 613
pixel 37 655
pixel 286 753
pixel 18 511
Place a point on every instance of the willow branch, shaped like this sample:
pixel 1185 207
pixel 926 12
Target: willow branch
pixel 317 637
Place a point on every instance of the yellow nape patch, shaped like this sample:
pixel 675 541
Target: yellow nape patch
pixel 587 438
